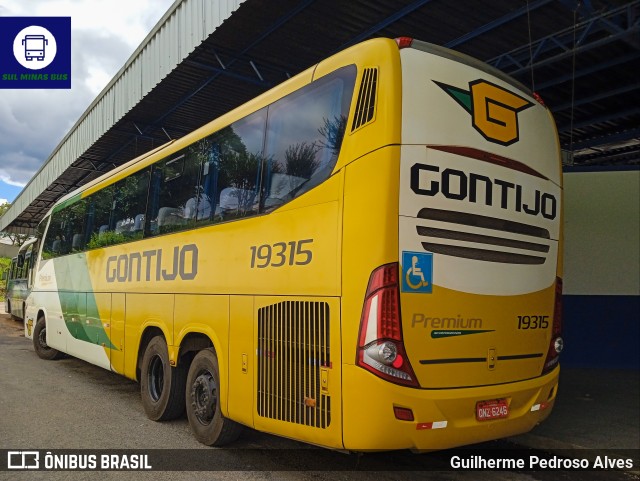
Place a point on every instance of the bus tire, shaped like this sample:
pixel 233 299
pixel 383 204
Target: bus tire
pixel 40 342
pixel 161 386
pixel 207 423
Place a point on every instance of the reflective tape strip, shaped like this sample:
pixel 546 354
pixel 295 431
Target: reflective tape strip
pixel 433 425
pixel 539 407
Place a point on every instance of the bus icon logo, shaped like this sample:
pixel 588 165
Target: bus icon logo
pixel 34 47
pixel 417 272
pixel 35 52
pixel 35 43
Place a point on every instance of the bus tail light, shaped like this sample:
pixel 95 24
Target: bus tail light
pixel 538 98
pixel 557 343
pixel 404 42
pixel 380 345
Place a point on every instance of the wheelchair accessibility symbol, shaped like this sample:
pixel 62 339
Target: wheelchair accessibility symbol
pixel 417 270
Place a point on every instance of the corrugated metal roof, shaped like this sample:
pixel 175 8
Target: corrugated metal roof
pixel 184 27
pixel 201 61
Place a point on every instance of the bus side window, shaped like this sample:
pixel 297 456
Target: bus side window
pixel 129 207
pixel 231 177
pixel 304 137
pixel 74 226
pixel 29 263
pixel 12 269
pixel 116 213
pixel 99 223
pixel 76 216
pixel 66 231
pixel 53 244
pixel 46 244
pixel 21 266
pixel 174 181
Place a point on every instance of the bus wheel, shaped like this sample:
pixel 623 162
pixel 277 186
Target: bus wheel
pixel 161 386
pixel 40 342
pixel 208 424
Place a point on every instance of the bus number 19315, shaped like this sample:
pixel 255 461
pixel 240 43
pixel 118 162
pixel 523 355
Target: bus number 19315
pixel 280 254
pixel 533 322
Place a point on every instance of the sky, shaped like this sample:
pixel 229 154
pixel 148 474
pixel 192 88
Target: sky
pixel 104 34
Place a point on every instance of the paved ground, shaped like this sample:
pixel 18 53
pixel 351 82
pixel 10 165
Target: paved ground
pixel 69 404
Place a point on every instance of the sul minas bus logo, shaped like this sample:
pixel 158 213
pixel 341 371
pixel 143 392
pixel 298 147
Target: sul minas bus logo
pixel 494 110
pixel 35 52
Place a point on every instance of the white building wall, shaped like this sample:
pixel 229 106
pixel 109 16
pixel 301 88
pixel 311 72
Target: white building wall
pixel 602 233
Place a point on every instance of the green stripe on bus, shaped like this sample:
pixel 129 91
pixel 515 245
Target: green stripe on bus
pixel 67 203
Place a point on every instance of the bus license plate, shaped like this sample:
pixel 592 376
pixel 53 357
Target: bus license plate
pixel 492 409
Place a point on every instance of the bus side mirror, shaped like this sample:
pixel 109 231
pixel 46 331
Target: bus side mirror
pixel 20 261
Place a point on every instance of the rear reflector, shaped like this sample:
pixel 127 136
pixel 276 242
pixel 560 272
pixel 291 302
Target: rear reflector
pixel 403 414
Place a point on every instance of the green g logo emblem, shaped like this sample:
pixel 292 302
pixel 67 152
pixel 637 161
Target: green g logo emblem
pixel 494 110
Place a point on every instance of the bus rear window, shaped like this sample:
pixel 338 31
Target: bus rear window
pixel 304 135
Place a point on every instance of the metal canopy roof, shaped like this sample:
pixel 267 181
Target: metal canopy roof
pixel 582 57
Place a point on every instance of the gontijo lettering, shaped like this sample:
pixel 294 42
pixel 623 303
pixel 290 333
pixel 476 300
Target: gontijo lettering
pixel 179 263
pixel 457 185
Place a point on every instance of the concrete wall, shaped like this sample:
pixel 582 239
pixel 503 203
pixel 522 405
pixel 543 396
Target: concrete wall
pixel 602 268
pixel 7 250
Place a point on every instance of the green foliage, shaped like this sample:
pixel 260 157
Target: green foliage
pixel 237 167
pixel 16 239
pixel 5 263
pixel 107 238
pixel 129 192
pixel 333 132
pixel 301 159
pixel 168 228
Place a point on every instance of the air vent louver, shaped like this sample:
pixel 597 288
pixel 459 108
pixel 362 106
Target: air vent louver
pixel 293 348
pixel 366 105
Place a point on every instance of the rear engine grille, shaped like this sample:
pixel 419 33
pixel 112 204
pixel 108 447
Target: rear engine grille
pixel 293 349
pixel 479 242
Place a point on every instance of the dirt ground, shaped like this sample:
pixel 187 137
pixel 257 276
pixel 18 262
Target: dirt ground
pixel 10 327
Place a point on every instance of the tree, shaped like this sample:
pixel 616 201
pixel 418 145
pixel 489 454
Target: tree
pixel 333 132
pixel 300 159
pixel 16 239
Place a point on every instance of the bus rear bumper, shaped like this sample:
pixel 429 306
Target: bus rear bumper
pixel 442 418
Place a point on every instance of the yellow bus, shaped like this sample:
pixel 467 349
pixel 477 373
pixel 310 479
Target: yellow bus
pixel 366 257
